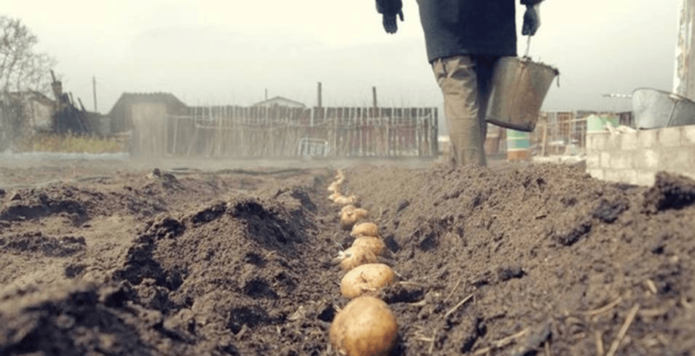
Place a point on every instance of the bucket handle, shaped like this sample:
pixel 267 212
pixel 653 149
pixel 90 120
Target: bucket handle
pixel 558 79
pixel 528 48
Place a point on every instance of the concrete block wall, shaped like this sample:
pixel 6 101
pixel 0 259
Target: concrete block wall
pixel 636 157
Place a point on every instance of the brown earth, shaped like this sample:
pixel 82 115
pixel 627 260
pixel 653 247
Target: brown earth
pixel 539 260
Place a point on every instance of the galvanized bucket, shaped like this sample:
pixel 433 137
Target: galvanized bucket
pixel 518 89
pixel 654 109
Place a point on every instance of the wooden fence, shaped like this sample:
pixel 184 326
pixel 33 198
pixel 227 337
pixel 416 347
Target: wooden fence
pixel 556 132
pixel 278 132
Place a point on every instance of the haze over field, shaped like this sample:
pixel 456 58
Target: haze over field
pixel 214 52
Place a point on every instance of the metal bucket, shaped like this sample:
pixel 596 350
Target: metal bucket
pixel 655 109
pixel 519 87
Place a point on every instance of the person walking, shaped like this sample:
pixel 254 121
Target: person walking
pixel 464 40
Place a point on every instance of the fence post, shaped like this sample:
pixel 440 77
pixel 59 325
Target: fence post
pixel 418 119
pixel 435 134
pixel 389 121
pixel 360 128
pixel 335 133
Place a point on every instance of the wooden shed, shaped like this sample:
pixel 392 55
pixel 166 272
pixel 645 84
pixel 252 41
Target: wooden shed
pixel 122 112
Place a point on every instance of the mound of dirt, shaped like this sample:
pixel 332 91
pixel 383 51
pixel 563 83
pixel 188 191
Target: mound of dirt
pixel 248 273
pixel 541 260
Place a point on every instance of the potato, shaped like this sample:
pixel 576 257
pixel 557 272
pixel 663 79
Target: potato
pixel 371 243
pixel 334 187
pixel 361 213
pixel 347 208
pixel 342 201
pixel 351 215
pixel 347 200
pixel 346 211
pixel 365 327
pixel 347 220
pixel 365 229
pixel 355 256
pixel 335 196
pixel 366 279
pixel 351 209
pixel 340 174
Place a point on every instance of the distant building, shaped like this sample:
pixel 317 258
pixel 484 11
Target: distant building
pixel 22 114
pixel 121 114
pixel 37 108
pixel 279 101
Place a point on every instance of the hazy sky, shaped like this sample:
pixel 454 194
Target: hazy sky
pixel 228 52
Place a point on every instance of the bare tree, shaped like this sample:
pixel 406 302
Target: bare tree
pixel 23 71
pixel 21 67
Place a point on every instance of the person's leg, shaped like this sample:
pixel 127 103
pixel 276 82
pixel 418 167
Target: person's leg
pixel 458 80
pixel 485 66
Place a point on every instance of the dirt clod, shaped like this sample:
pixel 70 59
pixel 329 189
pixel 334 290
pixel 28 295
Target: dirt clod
pixel 402 204
pixel 506 273
pixel 568 235
pixel 669 192
pixel 609 211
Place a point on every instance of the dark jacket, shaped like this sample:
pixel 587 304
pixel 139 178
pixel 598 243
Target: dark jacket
pixel 465 27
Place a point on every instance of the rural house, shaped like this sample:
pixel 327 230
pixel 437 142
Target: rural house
pixel 279 101
pixel 121 113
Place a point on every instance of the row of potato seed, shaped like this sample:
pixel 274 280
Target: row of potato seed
pixel 366 326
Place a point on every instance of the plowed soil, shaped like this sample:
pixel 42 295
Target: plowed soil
pixel 535 260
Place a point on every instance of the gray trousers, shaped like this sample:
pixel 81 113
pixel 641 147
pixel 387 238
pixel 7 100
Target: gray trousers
pixel 465 82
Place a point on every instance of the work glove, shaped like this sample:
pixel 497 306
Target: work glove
pixel 532 20
pixel 390 9
pixel 390 23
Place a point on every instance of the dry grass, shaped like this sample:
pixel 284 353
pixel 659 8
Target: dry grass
pixel 72 144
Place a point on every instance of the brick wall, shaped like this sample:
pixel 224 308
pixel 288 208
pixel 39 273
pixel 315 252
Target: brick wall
pixel 634 158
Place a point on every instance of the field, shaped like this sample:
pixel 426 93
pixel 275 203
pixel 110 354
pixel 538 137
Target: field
pixel 118 259
pixel 71 144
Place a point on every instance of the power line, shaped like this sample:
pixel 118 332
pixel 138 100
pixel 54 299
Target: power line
pixel 618 96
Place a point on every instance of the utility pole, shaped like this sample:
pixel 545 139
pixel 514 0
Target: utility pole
pixel 266 94
pixel 94 91
pixel 374 102
pixel 319 96
pixel 684 77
